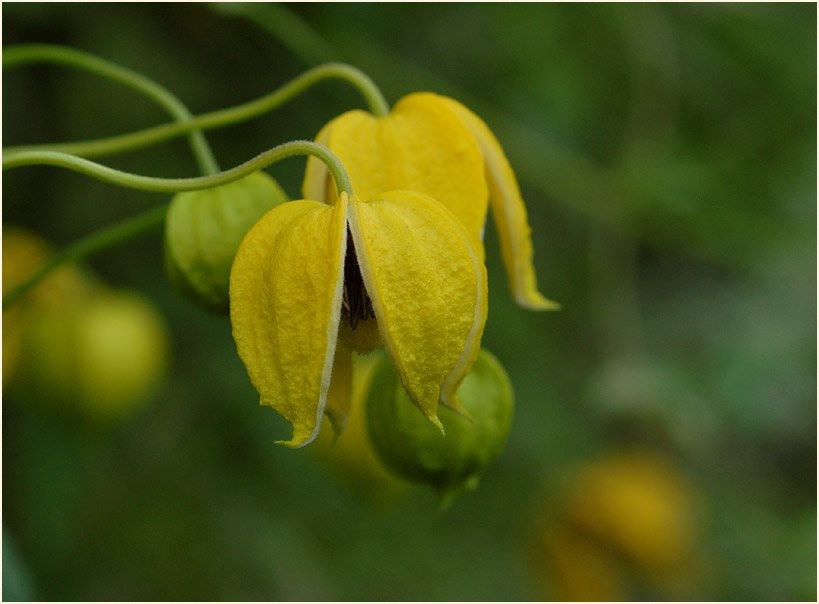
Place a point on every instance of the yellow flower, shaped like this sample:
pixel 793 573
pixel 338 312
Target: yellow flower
pixel 23 254
pixel 640 504
pixel 625 525
pixel 312 282
pixel 352 458
pixel 436 146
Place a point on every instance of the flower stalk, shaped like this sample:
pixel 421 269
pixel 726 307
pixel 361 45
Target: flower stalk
pixel 223 117
pixel 142 223
pixel 106 238
pixel 177 185
pixel 24 54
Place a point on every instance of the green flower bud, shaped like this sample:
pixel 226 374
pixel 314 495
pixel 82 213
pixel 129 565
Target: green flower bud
pixel 411 446
pixel 203 232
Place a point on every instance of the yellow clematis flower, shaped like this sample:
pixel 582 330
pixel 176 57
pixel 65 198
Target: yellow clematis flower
pixel 434 145
pixel 312 282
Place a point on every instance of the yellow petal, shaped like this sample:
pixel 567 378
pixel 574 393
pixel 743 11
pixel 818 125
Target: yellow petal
pixel 285 304
pixel 509 213
pixel 421 146
pixel 428 291
pixel 339 396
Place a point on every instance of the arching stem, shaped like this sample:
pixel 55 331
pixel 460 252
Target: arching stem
pixel 16 56
pixel 142 223
pixel 106 238
pixel 177 185
pixel 224 117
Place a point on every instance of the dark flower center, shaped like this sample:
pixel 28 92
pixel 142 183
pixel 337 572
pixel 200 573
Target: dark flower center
pixel 355 305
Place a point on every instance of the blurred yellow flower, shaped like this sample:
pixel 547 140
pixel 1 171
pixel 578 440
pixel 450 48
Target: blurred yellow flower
pixel 579 570
pixel 434 145
pixel 103 359
pixel 638 502
pixel 23 254
pixel 72 343
pixel 625 521
pixel 313 282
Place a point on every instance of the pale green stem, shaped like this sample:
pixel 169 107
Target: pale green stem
pixel 103 239
pixel 176 185
pixel 16 56
pixel 223 117
pixel 135 226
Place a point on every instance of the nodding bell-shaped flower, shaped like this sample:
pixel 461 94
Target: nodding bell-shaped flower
pixel 312 282
pixel 434 145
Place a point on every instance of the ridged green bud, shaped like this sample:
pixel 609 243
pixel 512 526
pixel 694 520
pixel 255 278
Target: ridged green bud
pixel 411 446
pixel 203 232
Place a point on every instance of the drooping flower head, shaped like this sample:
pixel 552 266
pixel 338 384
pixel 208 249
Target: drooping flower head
pixel 312 282
pixel 434 145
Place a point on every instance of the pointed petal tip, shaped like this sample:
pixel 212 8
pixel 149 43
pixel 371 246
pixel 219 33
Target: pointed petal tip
pixel 452 402
pixel 338 421
pixel 302 435
pixel 535 301
pixel 295 443
pixel 437 423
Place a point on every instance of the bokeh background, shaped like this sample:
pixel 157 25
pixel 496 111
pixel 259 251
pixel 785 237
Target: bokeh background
pixel 664 445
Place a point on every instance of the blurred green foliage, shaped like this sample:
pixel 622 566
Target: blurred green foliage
pixel 667 154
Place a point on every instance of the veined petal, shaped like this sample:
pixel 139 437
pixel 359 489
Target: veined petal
pixel 285 305
pixel 421 146
pixel 509 213
pixel 427 286
pixel 444 158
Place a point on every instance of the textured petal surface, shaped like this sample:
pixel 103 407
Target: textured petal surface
pixel 428 290
pixel 285 301
pixel 421 146
pixel 509 213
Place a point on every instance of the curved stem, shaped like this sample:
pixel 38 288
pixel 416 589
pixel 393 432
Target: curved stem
pixel 103 239
pixel 176 185
pixel 35 53
pixel 223 117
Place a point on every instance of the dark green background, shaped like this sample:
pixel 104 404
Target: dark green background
pixel 667 154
